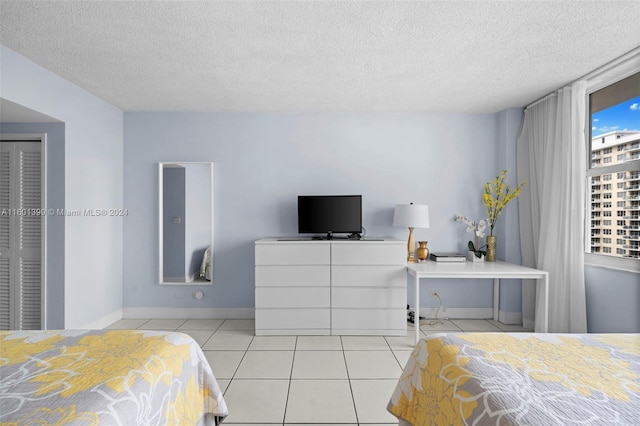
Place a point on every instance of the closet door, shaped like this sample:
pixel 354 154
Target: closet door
pixel 21 221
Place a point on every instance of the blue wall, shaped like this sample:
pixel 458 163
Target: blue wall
pixel 263 161
pixel 93 137
pixel 613 300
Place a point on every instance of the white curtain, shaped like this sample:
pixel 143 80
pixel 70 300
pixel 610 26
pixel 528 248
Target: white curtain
pixel 551 157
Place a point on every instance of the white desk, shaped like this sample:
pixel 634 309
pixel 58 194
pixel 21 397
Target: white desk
pixel 495 270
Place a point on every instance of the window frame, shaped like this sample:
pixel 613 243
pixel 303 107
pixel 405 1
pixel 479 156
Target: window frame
pixel 608 75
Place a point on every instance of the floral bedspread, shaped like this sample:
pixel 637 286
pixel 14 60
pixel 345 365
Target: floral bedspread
pixel 107 377
pixel 521 379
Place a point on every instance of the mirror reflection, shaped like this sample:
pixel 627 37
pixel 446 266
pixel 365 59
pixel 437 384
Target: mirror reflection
pixel 186 222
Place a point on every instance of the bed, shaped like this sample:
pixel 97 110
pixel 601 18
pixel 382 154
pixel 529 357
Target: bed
pixel 111 377
pixel 520 379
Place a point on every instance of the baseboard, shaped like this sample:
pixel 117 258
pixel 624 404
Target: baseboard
pixel 101 323
pixel 529 324
pixel 188 313
pixel 510 317
pixel 458 313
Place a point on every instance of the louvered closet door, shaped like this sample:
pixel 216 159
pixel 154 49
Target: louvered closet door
pixel 20 236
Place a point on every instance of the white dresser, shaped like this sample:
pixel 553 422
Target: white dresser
pixel 333 287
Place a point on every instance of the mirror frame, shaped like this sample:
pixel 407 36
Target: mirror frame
pixel 161 216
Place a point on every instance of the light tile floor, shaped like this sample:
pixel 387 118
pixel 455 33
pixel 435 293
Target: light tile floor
pixel 291 380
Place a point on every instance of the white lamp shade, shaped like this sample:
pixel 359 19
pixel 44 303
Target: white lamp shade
pixel 411 216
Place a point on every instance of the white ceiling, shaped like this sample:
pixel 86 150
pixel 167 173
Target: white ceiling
pixel 477 56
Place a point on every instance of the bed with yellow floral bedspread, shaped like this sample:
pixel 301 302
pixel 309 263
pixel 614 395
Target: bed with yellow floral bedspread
pixel 521 379
pixel 106 377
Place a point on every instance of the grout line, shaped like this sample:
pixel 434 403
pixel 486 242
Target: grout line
pixel 346 366
pixel 286 401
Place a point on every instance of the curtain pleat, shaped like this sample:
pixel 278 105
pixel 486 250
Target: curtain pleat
pixel 551 157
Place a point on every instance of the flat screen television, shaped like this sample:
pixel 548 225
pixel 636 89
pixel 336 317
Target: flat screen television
pixel 330 214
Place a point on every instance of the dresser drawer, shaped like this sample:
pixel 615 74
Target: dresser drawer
pixel 354 297
pixel 369 319
pixel 285 253
pixel 289 319
pixel 296 275
pixel 369 276
pixel 368 253
pixel 293 297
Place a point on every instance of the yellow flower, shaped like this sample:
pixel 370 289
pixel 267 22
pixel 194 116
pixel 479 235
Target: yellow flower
pixel 497 196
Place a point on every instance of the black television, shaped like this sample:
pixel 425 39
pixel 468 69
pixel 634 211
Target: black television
pixel 330 214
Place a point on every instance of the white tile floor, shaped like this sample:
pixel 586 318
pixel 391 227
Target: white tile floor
pixel 290 380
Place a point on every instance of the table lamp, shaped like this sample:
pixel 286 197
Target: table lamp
pixel 411 216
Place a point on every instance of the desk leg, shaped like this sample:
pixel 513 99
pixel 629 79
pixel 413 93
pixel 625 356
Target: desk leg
pixel 496 298
pixel 545 311
pixel 416 323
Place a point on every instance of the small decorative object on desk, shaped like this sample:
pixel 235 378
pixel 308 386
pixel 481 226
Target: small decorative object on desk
pixel 496 197
pixel 473 257
pixel 476 254
pixel 448 257
pixel 423 251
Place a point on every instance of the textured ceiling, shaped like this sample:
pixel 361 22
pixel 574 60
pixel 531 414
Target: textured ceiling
pixel 478 56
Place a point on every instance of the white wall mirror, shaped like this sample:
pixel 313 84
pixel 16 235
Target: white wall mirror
pixel 185 222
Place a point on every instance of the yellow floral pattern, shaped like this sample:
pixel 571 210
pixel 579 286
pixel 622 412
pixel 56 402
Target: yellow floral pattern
pixel 16 350
pixel 105 377
pixel 437 388
pixel 520 378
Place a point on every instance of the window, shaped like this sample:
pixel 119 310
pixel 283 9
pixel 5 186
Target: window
pixel 614 165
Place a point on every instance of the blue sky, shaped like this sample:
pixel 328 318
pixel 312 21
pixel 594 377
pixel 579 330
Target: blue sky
pixel 624 116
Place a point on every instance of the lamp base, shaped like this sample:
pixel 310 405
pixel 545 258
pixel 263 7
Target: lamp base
pixel 411 248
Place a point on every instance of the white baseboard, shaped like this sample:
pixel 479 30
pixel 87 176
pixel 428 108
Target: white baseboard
pixel 101 323
pixel 188 313
pixel 529 324
pixel 472 313
pixel 510 317
pixel 458 313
